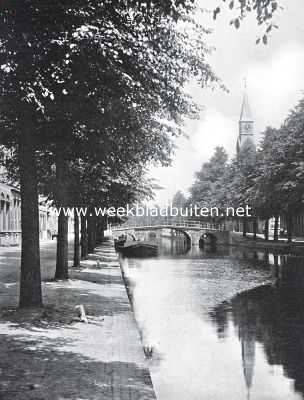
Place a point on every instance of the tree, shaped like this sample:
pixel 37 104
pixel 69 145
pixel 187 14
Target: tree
pixel 280 184
pixel 30 278
pixel 267 192
pixel 179 200
pixel 207 190
pixel 223 184
pixel 136 109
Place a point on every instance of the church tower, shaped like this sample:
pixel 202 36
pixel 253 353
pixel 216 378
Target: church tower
pixel 246 125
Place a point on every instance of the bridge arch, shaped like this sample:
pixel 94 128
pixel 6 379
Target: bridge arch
pixel 208 238
pixel 185 233
pixel 132 235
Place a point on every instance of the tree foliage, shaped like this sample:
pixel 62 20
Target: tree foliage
pixel 264 11
pixel 179 200
pixel 208 189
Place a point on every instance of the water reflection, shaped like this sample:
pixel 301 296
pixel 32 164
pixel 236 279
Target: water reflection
pixel 174 246
pixel 272 315
pixel 224 324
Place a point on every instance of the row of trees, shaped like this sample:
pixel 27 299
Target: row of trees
pixel 91 92
pixel 269 180
pixel 84 92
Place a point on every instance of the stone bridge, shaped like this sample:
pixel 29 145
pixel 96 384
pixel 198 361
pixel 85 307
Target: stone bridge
pixel 195 232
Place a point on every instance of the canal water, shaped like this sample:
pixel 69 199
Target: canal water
pixel 223 323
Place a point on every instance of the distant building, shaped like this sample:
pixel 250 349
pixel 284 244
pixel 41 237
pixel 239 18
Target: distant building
pixel 246 140
pixel 10 217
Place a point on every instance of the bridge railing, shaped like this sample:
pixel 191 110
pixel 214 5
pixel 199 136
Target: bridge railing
pixel 172 224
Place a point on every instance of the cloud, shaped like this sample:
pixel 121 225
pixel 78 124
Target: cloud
pixel 214 129
pixel 276 85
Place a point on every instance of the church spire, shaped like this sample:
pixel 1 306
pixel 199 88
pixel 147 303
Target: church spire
pixel 246 125
pixel 248 360
pixel 246 115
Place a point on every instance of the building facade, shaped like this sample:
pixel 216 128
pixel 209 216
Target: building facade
pixel 10 217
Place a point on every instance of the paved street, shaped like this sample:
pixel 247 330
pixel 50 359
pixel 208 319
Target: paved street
pixel 48 354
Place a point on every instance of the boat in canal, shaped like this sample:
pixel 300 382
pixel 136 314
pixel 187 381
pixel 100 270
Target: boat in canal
pixel 120 242
pixel 139 249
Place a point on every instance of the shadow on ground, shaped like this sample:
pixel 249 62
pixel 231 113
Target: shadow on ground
pixel 95 277
pixel 61 299
pixel 58 375
pixel 47 354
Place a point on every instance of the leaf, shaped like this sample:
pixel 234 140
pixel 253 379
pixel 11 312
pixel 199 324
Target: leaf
pixel 237 23
pixel 215 12
pixel 269 28
pixel 265 39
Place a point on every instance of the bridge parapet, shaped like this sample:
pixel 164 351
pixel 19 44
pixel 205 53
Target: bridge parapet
pixel 193 231
pixel 174 223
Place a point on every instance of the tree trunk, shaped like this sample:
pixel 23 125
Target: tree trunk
pixel 244 227
pixel 62 268
pixel 101 236
pixel 91 233
pixel 276 228
pixel 95 232
pixel 76 241
pixel 266 229
pixel 84 239
pixel 289 228
pixel 30 278
pixel 255 227
pixel 101 224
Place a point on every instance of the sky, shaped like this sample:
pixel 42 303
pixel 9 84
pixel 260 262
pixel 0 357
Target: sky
pixel 275 83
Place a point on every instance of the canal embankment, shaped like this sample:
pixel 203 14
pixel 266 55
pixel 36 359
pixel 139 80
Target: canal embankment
pixel 54 352
pixel 280 246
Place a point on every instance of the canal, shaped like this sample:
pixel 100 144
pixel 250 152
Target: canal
pixel 223 323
